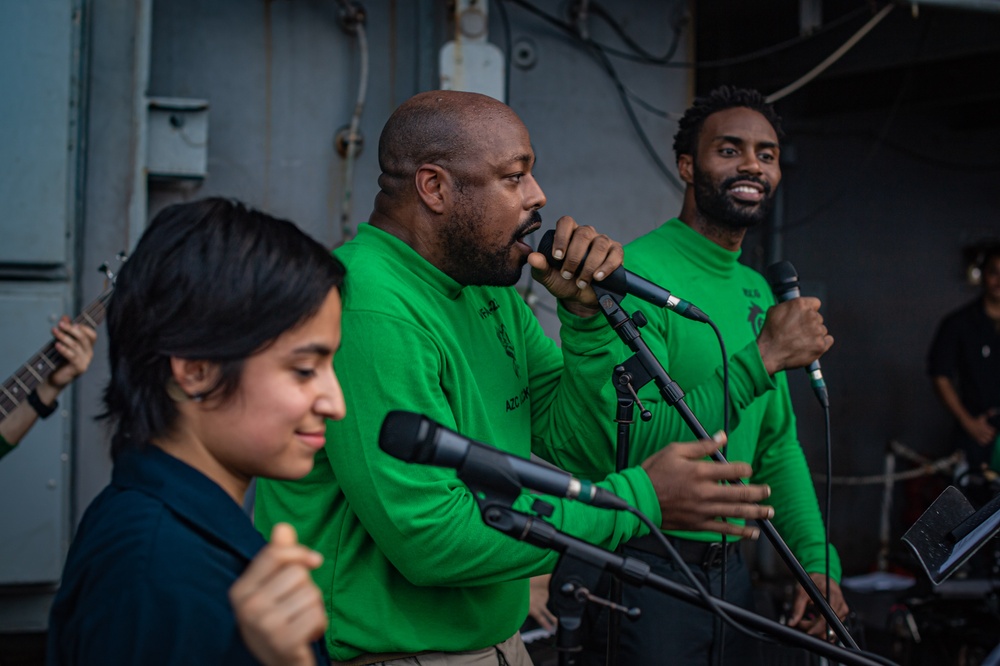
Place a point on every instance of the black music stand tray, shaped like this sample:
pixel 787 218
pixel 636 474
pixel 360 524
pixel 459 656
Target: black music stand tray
pixel 950 531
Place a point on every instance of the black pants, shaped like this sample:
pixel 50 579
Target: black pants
pixel 976 455
pixel 671 632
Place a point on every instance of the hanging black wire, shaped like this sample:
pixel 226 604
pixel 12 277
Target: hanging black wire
pixel 619 86
pixel 678 24
pixel 746 57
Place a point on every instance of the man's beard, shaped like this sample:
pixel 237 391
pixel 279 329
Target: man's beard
pixel 717 206
pixel 470 259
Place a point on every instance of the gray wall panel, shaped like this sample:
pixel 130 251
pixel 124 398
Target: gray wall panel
pixel 36 47
pixel 34 477
pixel 40 63
pixel 104 229
pixel 281 79
pixel 591 164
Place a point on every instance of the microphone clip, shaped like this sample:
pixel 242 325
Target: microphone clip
pixel 610 304
pixel 627 391
pixel 582 595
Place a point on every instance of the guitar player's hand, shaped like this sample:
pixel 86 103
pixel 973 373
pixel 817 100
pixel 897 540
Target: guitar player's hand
pixel 75 342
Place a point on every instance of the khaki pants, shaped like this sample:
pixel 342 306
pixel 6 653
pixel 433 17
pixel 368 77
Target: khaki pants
pixel 509 653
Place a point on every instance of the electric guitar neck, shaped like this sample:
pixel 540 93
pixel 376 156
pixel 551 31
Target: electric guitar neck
pixel 46 360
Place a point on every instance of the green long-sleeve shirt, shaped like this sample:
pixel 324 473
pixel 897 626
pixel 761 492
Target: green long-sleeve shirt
pixel 410 565
pixel 762 423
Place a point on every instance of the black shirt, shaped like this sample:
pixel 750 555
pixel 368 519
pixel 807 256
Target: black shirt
pixel 966 349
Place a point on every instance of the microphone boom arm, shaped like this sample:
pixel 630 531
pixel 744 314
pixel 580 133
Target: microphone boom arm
pixel 498 514
pixel 628 331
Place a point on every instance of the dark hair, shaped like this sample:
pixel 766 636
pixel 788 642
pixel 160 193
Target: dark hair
pixel 990 254
pixel 209 280
pixel 720 99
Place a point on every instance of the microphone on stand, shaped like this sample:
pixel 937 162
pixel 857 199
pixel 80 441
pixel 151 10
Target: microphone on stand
pixel 415 438
pixel 623 282
pixel 784 281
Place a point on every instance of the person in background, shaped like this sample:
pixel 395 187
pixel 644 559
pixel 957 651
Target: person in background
pixel 75 343
pixel 964 366
pixel 221 336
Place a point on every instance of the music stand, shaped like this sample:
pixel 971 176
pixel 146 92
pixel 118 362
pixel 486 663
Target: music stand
pixel 950 531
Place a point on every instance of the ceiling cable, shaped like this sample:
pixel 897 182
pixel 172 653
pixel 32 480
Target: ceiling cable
pixel 832 58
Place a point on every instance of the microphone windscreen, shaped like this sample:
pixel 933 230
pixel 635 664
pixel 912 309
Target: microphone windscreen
pixel 782 276
pixel 545 247
pixel 402 434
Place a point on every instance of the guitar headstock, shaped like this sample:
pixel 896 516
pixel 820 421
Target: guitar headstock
pixel 108 271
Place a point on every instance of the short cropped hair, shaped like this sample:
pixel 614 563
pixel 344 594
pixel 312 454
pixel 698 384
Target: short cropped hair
pixel 209 280
pixel 990 254
pixel 720 99
pixel 440 127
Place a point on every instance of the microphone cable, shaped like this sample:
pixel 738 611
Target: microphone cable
pixel 720 654
pixel 826 511
pixel 828 488
pixel 710 600
pixel 827 514
pixel 705 595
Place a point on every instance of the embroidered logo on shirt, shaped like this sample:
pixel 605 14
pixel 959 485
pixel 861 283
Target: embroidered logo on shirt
pixel 487 312
pixel 518 400
pixel 508 347
pixel 756 318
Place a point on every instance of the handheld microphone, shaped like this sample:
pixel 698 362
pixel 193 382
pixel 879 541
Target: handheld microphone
pixel 784 283
pixel 622 282
pixel 415 438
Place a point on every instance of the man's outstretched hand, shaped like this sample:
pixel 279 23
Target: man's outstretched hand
pixel 692 497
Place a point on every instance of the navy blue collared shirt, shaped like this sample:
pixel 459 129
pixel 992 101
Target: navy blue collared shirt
pixel 148 574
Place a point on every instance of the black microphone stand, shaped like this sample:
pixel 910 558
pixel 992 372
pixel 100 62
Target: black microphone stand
pixel 628 331
pixel 574 575
pixel 585 563
pixel 624 382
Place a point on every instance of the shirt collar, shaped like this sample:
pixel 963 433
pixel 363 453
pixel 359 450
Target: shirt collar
pixel 701 250
pixel 190 495
pixel 408 260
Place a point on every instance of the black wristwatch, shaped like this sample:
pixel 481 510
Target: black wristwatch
pixel 44 411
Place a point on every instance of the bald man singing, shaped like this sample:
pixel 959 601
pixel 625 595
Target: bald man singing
pixel 432 324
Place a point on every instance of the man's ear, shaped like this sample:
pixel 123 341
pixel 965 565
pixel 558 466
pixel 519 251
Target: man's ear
pixel 433 184
pixel 685 168
pixel 194 377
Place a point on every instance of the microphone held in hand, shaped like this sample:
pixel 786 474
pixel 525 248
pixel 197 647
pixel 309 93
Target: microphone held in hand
pixel 784 281
pixel 623 282
pixel 415 438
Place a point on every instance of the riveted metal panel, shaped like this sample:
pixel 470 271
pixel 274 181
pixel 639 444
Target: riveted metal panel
pixel 33 477
pixel 37 129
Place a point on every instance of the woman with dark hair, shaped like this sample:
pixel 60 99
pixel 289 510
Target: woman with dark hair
pixel 221 336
